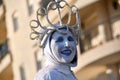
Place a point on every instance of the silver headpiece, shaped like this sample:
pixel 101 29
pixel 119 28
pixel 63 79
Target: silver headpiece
pixel 44 31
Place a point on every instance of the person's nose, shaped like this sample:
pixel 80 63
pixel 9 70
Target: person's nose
pixel 67 44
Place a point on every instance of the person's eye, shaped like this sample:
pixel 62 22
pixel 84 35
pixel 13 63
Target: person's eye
pixel 70 38
pixel 60 39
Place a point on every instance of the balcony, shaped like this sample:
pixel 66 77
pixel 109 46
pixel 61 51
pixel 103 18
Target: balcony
pixel 3 50
pixel 5 57
pixel 99 47
pixel 1 10
pixel 99 34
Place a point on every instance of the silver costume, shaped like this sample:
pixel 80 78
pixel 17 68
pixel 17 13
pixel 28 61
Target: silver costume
pixel 58 43
pixel 59 61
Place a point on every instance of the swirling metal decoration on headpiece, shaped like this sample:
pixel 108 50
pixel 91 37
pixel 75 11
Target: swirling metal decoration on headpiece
pixel 41 34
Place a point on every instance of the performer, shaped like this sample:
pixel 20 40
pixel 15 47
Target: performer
pixel 59 43
pixel 61 54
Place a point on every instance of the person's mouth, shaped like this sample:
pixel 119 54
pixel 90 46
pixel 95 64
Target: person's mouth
pixel 66 52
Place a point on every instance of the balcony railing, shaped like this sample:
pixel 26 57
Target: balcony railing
pixel 98 34
pixel 3 50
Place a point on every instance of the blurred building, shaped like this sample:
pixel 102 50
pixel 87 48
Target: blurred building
pixel 5 55
pixel 17 52
pixel 99 57
pixel 99 51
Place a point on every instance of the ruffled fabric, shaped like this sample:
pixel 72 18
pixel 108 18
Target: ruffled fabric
pixel 55 72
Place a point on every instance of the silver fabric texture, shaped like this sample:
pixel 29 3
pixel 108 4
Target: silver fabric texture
pixel 55 72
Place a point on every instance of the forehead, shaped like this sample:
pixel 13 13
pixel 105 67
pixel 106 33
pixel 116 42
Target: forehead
pixel 58 34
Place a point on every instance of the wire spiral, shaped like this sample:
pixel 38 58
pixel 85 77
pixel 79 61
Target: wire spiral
pixel 43 30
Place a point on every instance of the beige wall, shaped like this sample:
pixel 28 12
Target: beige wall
pixel 22 48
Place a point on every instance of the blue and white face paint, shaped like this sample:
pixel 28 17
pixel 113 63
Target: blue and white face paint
pixel 63 46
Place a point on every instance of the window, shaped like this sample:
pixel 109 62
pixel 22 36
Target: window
pixel 30 9
pixel 116 29
pixel 3 50
pixel 119 71
pixel 15 21
pixel 38 64
pixel 30 6
pixel 1 2
pixel 22 73
pixel 38 59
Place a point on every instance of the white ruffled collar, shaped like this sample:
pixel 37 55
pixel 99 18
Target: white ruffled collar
pixel 65 69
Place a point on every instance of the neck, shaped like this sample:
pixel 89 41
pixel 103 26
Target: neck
pixel 58 65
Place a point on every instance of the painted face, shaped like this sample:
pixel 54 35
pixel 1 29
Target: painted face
pixel 63 47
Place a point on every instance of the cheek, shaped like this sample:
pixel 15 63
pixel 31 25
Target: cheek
pixel 56 47
pixel 73 45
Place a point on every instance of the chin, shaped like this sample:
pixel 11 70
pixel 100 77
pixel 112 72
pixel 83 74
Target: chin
pixel 66 61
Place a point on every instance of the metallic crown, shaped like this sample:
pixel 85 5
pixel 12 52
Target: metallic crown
pixel 43 30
